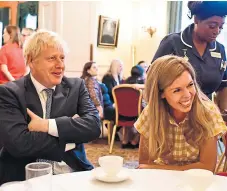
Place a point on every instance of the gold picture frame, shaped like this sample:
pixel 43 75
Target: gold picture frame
pixel 108 32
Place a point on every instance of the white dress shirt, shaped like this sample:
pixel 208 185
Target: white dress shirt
pixel 52 128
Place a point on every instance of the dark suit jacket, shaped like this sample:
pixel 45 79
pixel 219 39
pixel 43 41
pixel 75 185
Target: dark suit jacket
pixel 20 146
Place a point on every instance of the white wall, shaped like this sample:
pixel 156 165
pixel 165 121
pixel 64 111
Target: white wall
pixel 152 13
pixel 125 13
pixel 77 22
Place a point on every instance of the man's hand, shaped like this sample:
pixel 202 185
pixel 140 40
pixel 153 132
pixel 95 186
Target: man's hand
pixel 37 123
pixel 75 116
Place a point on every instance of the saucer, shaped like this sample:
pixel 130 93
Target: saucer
pixel 99 174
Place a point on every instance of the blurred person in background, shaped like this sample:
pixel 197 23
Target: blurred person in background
pixel 113 77
pixel 144 65
pixel 12 65
pixel 90 72
pixel 137 75
pixel 25 33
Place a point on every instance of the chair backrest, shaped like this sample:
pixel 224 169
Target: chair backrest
pixel 222 174
pixel 127 101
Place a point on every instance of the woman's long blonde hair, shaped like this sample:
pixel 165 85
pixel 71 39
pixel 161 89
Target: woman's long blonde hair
pixel 161 74
pixel 114 62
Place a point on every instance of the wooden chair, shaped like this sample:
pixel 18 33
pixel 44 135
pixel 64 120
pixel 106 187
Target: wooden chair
pixel 215 100
pixel 223 159
pixel 127 107
pixel 109 125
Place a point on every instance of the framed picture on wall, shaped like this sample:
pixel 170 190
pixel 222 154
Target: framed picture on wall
pixel 108 32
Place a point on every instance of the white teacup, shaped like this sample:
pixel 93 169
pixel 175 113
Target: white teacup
pixel 111 165
pixel 198 179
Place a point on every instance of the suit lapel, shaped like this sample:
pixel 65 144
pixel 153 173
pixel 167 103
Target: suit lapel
pixel 114 81
pixel 59 99
pixel 32 97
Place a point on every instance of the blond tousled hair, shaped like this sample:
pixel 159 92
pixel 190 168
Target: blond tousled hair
pixel 162 74
pixel 41 40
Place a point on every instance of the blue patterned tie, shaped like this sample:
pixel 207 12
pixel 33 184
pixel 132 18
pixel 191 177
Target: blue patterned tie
pixel 49 93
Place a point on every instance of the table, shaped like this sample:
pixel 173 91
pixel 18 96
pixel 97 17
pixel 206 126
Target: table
pixel 140 180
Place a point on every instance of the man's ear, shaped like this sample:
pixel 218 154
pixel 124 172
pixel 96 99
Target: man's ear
pixel 29 61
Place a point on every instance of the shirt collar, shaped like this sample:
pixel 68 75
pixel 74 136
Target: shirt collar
pixel 39 87
pixel 173 122
pixel 116 78
pixel 186 38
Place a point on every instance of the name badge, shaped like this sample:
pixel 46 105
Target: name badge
pixel 215 54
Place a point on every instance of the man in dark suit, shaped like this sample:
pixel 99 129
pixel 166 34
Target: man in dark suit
pixel 45 115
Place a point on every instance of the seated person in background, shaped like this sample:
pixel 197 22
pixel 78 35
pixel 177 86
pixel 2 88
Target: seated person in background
pixel 109 110
pixel 90 72
pixel 179 127
pixel 137 78
pixel 44 115
pixel 114 76
pixel 136 75
pixel 139 83
pixel 144 65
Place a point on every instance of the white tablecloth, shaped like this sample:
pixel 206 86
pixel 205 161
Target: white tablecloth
pixel 140 180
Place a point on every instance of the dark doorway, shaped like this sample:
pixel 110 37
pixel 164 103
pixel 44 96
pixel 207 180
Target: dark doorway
pixel 27 15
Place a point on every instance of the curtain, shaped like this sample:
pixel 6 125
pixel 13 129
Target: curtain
pixel 174 16
pixel 24 9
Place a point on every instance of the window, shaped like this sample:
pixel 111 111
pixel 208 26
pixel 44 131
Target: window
pixel 185 21
pixel 31 21
pixel 222 38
